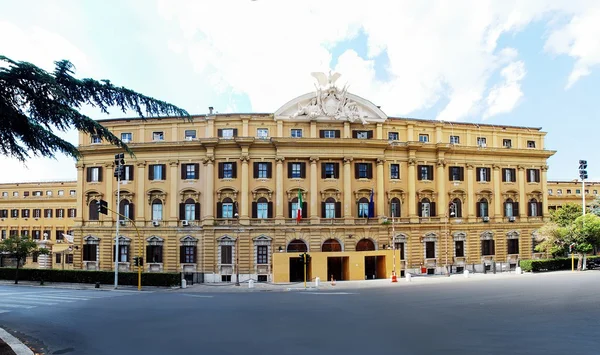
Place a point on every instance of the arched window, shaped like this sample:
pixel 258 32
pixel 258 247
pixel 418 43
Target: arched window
pixel 365 245
pixel 426 208
pixel 535 208
pixel 482 208
pixel 395 207
pixel 455 208
pixel 330 208
pixel 157 210
pixel 225 208
pixel 94 215
pixel 297 246
pixel 363 208
pixel 510 208
pixel 126 209
pixel 262 208
pixel 331 245
pixel 189 209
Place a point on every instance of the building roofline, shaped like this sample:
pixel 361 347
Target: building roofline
pixel 37 182
pixel 462 123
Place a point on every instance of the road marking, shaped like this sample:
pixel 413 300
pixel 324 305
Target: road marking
pixel 330 293
pixel 27 301
pixel 3 311
pixel 9 305
pixel 197 296
pixel 44 298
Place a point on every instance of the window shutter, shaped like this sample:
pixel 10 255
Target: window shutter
pixel 539 209
pixel 183 171
pixel 234 170
pixel 220 170
pixel 420 208
pixel 529 209
pixel 163 167
pixel 270 209
pixel 323 214
pixel 503 175
pixel 537 176
pixel 235 208
pixel 131 211
pixel 130 167
pixel 488 175
pixel 220 132
pixel 289 210
pixel 462 173
pixel 219 210
pixel 430 172
pixel 235 132
pixel 338 210
pixel 336 170
pixel 354 134
pixel 356 171
pixel 515 209
pixel 321 134
pixel 148 254
pixel 254 210
pixel 432 211
pixel 323 170
pixel 197 211
pixel 100 173
pixel 304 209
pixel 459 209
pixel 370 134
pixel 196 171
pixel 86 253
pixel 89 174
pixel 303 170
pixel 513 175
pixel 182 254
pixel 181 211
pixel 255 168
pixel 289 169
pixel 150 172
pixel 269 170
pixel 370 171
pixel 419 167
pixel 337 133
pixel 450 171
pixel 478 209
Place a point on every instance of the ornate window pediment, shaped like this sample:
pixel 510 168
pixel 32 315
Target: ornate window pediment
pixel 188 241
pixel 189 193
pixel 156 194
pixel 227 192
pixel 513 195
pixel 262 192
pixel 92 195
pixel 458 236
pixel 513 234
pixel 293 193
pixel 262 240
pixel 335 193
pixel 90 239
pixel 125 195
pixel 487 194
pixel 123 240
pixel 399 194
pixel 400 238
pixel 155 240
pixel 459 194
pixel 226 240
pixel 430 237
pixel 487 235
pixel 535 194
pixel 426 193
pixel 358 194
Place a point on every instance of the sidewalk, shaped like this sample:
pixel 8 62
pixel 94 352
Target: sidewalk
pixel 9 345
pixel 82 286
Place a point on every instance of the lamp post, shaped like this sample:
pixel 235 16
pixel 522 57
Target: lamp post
pixel 583 175
pixel 237 251
pixel 449 214
pixel 119 173
pixel 394 276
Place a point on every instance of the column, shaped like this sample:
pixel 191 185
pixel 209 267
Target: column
pixel 470 201
pixel 441 178
pixel 544 181
pixel 380 205
pixel 379 134
pixel 522 197
pixel 497 194
pixel 109 196
pixel 279 187
pixel 314 193
pixel 439 138
pixel 410 134
pixel 81 207
pixel 210 127
pixel 209 190
pixel 173 178
pixel 347 133
pixel 245 132
pixel 412 190
pixel 140 206
pixel 313 130
pixel 244 193
pixel 279 128
pixel 347 187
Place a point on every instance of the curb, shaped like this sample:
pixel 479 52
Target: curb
pixel 15 344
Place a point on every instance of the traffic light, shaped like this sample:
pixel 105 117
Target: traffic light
pixel 307 258
pixel 119 159
pixel 302 257
pixel 102 206
pixel 119 166
pixel 582 169
pixel 138 261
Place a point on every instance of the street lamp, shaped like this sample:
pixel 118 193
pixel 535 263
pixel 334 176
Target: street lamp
pixel 583 175
pixel 237 251
pixel 451 213
pixel 119 174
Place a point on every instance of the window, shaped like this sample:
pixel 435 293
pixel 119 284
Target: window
pixel 188 254
pixel 262 133
pixel 530 144
pixel 513 246
pixel 550 192
pixel 123 252
pixel 126 209
pixel 459 248
pixel 330 205
pixel 227 170
pixel 511 208
pixel 225 208
pixel 190 134
pixel 393 136
pixel 507 143
pixel 262 208
pixel 395 171
pixel 3 213
pixel 189 171
pixel 484 174
pixel 227 133
pixel 5 194
pixel 16 194
pixel 262 170
pixel 157 172
pixel 60 213
pixel 48 213
pixel 226 254
pixel 262 254
pixel 25 194
pixel 37 213
pixel 154 253
pixel 559 192
pixel 72 212
pixel 363 171
pixel 395 207
pixel 94 174
pixel 424 138
pixel 96 139
pixel 481 141
pixel 535 208
pixel 48 193
pixel 362 134
pixel 90 252
pixel 363 208
pixel 128 173
pixel 296 170
pixel 456 173
pixel 595 192
pixel 454 140
pixel 61 192
pixel 425 172
pixel 189 210
pixel 509 175
pixel 37 193
pixel 578 191
pixel 94 215
pixel 72 192
pixel 426 208
pixel 157 210
pixel 487 247
pixel 126 137
pixel 296 133
pixel 568 191
pixel 455 208
pixel 158 136
pixel 330 170
pixel 294 208
pixel 533 175
pixel 329 133
pixel 482 208
pixel 14 213
pixel 430 250
pixel 587 191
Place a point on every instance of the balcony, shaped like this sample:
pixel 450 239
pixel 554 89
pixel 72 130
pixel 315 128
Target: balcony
pixel 430 219
pixel 304 221
pixel 362 221
pixel 332 221
pixel 262 221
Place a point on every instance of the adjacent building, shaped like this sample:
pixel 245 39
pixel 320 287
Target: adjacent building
pixel 219 195
pixel 563 192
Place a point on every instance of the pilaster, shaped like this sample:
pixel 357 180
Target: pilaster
pixel 470 203
pixel 522 199
pixel 347 188
pixel 314 215
pixel 173 178
pixel 209 191
pixel 245 158
pixel 412 188
pixel 497 194
pixel 279 188
pixel 380 188
pixel 140 206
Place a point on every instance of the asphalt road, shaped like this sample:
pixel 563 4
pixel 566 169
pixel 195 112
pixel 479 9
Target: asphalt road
pixel 540 314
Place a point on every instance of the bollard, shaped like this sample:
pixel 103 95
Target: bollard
pixel 518 270
pixel 97 285
pixel 251 284
pixel 317 281
pixel 183 283
pixel 408 277
pixel 466 273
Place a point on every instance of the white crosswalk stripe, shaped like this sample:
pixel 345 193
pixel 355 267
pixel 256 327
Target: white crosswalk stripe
pixel 15 299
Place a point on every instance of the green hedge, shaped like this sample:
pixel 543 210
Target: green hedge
pixel 540 265
pixel 91 277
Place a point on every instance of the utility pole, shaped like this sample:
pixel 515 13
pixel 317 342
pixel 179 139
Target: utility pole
pixel 119 172
pixel 394 276
pixel 583 175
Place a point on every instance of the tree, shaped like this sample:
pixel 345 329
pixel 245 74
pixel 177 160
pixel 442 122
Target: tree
pixel 550 238
pixel 566 215
pixel 584 234
pixel 20 247
pixel 34 102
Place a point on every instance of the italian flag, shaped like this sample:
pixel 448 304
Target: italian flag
pixel 299 212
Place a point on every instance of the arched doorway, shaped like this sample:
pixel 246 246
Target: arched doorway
pixel 297 246
pixel 365 245
pixel 331 245
pixel 337 267
pixel 372 262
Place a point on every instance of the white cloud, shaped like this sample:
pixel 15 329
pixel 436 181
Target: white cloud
pixel 505 96
pixel 447 50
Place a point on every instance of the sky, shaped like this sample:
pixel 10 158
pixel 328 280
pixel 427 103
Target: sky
pixel 528 63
